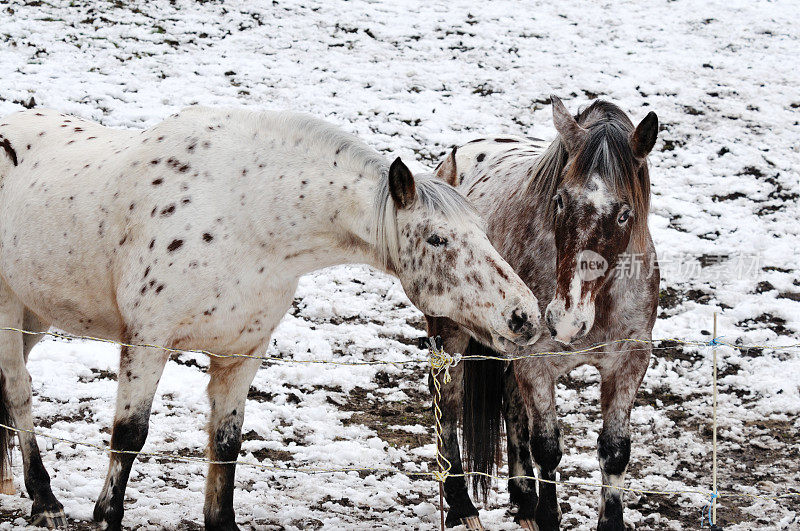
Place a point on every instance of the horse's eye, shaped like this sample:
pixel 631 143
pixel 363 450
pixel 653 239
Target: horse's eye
pixel 624 217
pixel 559 203
pixel 437 240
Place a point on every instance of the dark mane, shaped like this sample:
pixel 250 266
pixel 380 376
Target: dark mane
pixel 608 153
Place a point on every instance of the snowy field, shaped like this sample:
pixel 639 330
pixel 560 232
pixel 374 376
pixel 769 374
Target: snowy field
pixel 412 79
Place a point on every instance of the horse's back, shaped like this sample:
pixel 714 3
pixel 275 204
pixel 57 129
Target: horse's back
pixel 485 164
pixel 34 129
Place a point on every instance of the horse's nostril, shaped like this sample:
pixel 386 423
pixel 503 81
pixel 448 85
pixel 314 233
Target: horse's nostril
pixel 582 330
pixel 517 321
pixel 552 330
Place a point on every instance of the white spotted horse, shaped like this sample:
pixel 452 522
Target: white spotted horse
pixel 192 235
pixel 554 210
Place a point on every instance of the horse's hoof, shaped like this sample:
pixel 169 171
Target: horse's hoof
pixel 50 519
pixel 613 525
pixel 227 526
pixel 548 520
pixel 527 523
pixel 455 518
pixel 472 523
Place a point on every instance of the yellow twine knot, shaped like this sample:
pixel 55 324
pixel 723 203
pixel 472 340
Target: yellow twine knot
pixel 440 475
pixel 441 360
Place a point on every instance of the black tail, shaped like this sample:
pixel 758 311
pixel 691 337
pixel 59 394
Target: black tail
pixel 482 414
pixel 5 435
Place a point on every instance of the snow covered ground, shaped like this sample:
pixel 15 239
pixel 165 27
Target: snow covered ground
pixel 413 78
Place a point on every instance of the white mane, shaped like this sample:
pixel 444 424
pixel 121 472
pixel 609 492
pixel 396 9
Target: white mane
pixel 349 150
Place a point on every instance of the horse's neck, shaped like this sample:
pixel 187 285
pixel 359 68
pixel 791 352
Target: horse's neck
pixel 318 217
pixel 307 205
pixel 523 234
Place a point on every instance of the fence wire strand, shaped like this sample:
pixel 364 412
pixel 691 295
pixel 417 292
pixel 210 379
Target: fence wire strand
pixel 599 348
pixel 440 363
pixel 435 475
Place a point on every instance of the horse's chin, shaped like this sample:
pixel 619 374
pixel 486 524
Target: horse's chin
pixel 509 347
pixel 528 340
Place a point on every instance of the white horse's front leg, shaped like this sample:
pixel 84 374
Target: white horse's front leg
pixel 140 370
pixel 227 392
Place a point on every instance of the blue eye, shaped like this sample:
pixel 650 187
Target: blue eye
pixel 437 240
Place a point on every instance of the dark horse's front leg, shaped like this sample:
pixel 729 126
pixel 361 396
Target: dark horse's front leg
pixel 617 394
pixel 536 384
pixel 460 510
pixel 520 462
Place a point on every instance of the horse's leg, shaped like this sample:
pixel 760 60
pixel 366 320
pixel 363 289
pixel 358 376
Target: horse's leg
pixel 461 509
pixel 617 394
pixel 15 383
pixel 536 382
pixel 140 370
pixel 520 462
pixel 7 479
pixel 227 392
pixel 31 323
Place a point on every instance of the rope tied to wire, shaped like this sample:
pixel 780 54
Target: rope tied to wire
pixel 440 476
pixel 707 508
pixel 716 341
pixel 441 360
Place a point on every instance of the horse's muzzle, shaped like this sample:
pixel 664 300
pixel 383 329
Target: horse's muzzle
pixel 567 327
pixel 522 324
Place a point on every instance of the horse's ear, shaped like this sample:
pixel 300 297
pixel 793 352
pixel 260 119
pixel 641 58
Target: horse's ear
pixel 401 184
pixel 447 170
pixel 571 133
pixel 643 137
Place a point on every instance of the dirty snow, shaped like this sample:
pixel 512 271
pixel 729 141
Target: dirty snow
pixel 412 79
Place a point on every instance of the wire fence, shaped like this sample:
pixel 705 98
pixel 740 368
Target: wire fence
pixel 440 363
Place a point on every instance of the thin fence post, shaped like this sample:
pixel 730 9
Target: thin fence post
pixel 714 496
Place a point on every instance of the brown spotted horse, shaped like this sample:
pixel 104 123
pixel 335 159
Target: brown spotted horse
pixel 569 217
pixel 192 234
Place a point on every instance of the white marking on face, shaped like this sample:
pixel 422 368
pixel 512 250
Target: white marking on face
pixel 567 323
pixel 575 287
pixel 598 194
